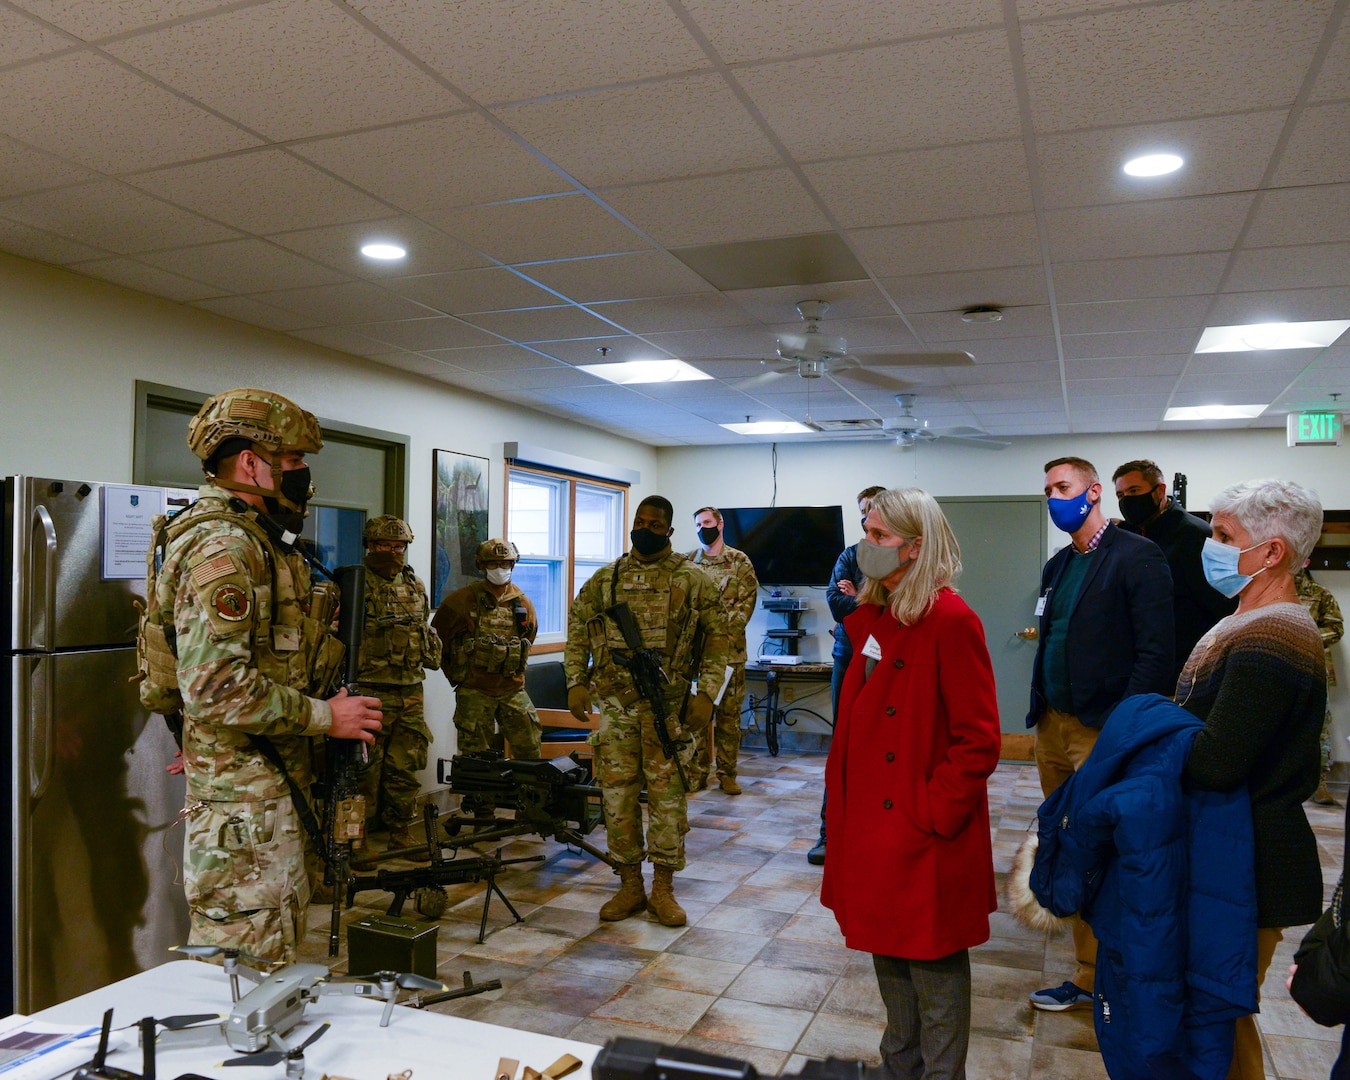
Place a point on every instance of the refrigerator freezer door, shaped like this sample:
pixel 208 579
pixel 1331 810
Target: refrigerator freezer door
pixel 59 599
pixel 99 893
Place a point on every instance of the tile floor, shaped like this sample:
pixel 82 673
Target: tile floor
pixel 761 972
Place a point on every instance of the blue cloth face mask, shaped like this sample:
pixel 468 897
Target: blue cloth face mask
pixel 1220 563
pixel 1069 514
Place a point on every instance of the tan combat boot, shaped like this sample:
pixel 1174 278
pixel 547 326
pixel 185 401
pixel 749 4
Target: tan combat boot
pixel 630 898
pixel 662 903
pixel 730 786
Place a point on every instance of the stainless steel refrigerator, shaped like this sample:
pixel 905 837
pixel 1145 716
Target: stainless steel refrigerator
pixel 93 858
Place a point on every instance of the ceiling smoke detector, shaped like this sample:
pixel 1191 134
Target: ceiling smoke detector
pixel 982 315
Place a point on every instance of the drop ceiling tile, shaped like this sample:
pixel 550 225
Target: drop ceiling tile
pixel 847 300
pixel 1239 394
pixel 1162 227
pixel 1255 387
pixel 1015 286
pixel 1130 344
pixel 1222 153
pixel 1338 356
pixel 266 191
pixel 1012 350
pixel 494 360
pixel 586 350
pixel 1017 322
pixel 1159 62
pixel 542 324
pixel 342 339
pixel 1309 266
pixel 23 39
pixel 245 309
pixel 1313 215
pixel 538 230
pixel 994 409
pixel 243 266
pixel 1044 391
pixel 734 341
pixel 24 170
pixel 107 118
pixel 419 335
pixel 673 313
pixel 538 47
pixel 925 185
pixel 91 22
pixel 1148 407
pixel 1121 392
pixel 644 132
pixel 287 70
pixel 344 304
pixel 1139 278
pixel 1318 151
pixel 1040 370
pixel 430 251
pixel 146 279
pixel 937 247
pixel 451 161
pixel 491 289
pixel 1123 315
pixel 743 32
pixel 113 216
pixel 751 205
pixel 1333 82
pixel 16 238
pixel 1256 364
pixel 468 380
pixel 892 97
pixel 1047 428
pixel 1119 367
pixel 734 371
pixel 1295 305
pixel 618 277
pixel 596 398
pixel 416 364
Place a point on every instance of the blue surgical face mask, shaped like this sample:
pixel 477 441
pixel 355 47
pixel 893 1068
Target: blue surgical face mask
pixel 1069 514
pixel 1220 563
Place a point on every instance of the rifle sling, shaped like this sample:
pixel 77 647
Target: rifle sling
pixel 268 749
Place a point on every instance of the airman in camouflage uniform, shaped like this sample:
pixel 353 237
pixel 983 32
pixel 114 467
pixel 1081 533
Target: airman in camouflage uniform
pixel 737 590
pixel 235 642
pixel 1326 613
pixel 670 599
pixel 397 647
pixel 488 627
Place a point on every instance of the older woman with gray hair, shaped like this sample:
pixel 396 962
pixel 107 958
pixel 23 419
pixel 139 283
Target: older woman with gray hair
pixel 1258 680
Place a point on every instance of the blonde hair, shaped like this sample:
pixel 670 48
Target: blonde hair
pixel 913 512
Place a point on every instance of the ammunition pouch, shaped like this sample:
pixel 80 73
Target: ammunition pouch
pixel 499 655
pixel 156 667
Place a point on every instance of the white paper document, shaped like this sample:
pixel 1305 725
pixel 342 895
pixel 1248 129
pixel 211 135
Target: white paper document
pixel 32 1050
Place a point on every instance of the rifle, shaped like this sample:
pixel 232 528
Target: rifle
pixel 344 808
pixel 638 1059
pixel 691 673
pixel 649 680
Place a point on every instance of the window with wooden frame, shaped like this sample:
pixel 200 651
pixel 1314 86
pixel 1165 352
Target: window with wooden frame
pixel 565 527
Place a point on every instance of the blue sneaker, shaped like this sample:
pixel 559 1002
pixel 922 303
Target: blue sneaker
pixel 1062 997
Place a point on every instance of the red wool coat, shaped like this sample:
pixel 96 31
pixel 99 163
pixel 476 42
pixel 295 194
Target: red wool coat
pixel 910 870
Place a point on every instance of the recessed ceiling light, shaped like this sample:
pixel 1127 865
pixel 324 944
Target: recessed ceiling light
pixel 633 372
pixel 1215 412
pixel 383 251
pixel 1153 165
pixel 768 427
pixel 1257 337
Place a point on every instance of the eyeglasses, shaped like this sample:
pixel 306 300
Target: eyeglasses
pixel 396 546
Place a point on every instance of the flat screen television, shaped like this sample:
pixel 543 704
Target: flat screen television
pixel 788 545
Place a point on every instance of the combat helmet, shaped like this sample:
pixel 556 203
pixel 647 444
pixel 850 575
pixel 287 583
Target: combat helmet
pixel 387 527
pixel 495 550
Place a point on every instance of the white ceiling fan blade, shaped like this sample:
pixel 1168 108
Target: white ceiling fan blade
pixel 955 358
pixel 986 443
pixel 871 378
pixel 757 381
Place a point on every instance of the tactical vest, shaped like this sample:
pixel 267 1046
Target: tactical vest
pixel 496 645
pixel 660 606
pixel 397 642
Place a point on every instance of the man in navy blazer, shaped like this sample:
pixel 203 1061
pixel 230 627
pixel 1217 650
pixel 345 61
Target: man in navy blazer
pixel 1106 632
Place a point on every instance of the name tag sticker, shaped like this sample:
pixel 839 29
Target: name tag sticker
pixel 872 650
pixel 1040 604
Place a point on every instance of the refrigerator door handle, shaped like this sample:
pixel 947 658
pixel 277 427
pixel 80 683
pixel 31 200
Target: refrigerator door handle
pixel 43 728
pixel 42 517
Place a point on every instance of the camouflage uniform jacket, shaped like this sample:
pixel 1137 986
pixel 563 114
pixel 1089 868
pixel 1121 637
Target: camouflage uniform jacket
pixel 670 598
pixel 738 589
pixel 397 643
pixel 247 655
pixel 485 646
pixel 1325 612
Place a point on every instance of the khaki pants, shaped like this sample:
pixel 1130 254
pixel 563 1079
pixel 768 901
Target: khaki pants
pixel 1063 743
pixel 1248 1062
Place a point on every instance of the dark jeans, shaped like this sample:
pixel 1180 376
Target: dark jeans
pixel 836 684
pixel 927 1016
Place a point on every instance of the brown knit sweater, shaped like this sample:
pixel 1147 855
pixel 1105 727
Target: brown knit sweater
pixel 1258 680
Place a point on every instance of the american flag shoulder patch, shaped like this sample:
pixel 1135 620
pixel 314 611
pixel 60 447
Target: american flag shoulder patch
pixel 213 570
pixel 248 409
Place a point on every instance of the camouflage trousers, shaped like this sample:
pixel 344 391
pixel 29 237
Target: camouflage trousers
pixel 1326 745
pixel 244 876
pixel 477 715
pixel 722 737
pixel 627 756
pixel 390 782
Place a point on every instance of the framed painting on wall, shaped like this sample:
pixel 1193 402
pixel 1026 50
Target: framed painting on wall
pixel 459 519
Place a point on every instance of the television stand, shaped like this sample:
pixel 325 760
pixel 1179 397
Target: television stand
pixel 792 608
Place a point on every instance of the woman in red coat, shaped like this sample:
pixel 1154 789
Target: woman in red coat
pixel 911 876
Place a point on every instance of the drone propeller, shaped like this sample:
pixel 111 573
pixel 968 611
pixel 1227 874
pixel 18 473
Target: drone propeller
pixel 405 980
pixel 178 1023
pixel 206 952
pixel 272 1057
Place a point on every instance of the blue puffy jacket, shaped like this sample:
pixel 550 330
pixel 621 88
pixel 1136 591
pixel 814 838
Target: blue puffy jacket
pixel 1164 876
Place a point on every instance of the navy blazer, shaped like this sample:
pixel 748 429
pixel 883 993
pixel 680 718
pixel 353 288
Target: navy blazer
pixel 1120 630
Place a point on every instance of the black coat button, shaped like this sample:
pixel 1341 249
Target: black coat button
pixel 899 663
pixel 890 710
pixel 887 804
pixel 890 757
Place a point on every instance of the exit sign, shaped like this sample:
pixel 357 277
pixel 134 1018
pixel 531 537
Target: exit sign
pixel 1314 429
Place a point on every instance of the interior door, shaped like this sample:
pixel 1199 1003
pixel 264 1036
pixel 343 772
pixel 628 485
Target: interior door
pixel 1003 548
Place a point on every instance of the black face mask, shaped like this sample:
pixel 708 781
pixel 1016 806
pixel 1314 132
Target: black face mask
pixel 1137 509
pixel 707 535
pixel 295 486
pixel 648 543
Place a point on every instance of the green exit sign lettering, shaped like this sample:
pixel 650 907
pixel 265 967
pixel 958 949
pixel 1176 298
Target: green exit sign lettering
pixel 1314 429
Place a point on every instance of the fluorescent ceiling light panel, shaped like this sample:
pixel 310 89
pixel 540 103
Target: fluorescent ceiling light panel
pixel 634 372
pixel 1256 337
pixel 768 427
pixel 1153 165
pixel 384 252
pixel 1215 412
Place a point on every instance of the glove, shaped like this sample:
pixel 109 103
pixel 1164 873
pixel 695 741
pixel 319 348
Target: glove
pixel 699 714
pixel 579 703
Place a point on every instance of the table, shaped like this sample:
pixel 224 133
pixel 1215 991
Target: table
pixel 774 675
pixel 433 1045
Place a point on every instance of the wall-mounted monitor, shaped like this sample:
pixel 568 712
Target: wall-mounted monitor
pixel 788 545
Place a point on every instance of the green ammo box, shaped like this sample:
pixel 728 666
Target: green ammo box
pixel 386 943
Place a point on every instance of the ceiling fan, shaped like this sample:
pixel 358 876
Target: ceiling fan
pixel 813 354
pixel 907 430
